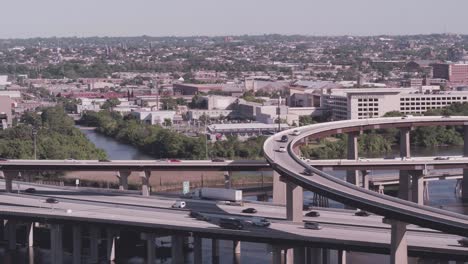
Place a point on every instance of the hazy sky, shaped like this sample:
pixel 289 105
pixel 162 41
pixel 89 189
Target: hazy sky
pixel 45 18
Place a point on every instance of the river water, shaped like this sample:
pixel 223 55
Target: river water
pixel 441 193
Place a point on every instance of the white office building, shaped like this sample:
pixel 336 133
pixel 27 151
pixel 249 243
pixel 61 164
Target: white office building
pixel 376 102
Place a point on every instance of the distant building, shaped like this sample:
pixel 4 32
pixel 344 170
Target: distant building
pixel 154 117
pixel 242 130
pixel 5 112
pixel 193 89
pixel 456 74
pixel 372 103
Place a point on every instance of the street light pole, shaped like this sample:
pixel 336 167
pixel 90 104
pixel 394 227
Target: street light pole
pixel 34 133
pixel 279 114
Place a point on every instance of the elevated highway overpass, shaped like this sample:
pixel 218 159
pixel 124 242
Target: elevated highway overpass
pixel 298 174
pixel 341 229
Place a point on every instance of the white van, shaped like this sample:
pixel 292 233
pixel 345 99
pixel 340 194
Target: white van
pixel 179 204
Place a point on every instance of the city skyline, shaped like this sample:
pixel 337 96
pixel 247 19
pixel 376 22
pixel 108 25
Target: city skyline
pixel 209 18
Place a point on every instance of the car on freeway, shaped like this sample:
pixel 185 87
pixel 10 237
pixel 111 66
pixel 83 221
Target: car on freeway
pixel 3 159
pixel 104 160
pixel 217 160
pixel 199 216
pixel 463 242
pixel 284 138
pixel 313 214
pixel 30 190
pixel 361 213
pixel 390 157
pixel 407 116
pixel 231 223
pixel 51 201
pixel 446 116
pixel 260 221
pixel 312 225
pixel 282 149
pixel 441 158
pixel 296 132
pixel 174 160
pixel 250 211
pixel 179 204
pixel 307 172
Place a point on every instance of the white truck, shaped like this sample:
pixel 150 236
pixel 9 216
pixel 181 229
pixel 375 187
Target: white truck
pixel 219 194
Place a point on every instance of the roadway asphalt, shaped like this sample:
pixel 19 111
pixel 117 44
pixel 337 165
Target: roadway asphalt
pixel 292 167
pixel 340 228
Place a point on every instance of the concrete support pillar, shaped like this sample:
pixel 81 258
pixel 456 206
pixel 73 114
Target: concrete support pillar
pixel 123 179
pixel 77 244
pixel 145 176
pixel 299 255
pixel 279 189
pixel 10 233
pixel 227 180
pixel 236 248
pixel 94 236
pixel 56 243
pixel 326 256
pixel 352 176
pixel 365 179
pixel 398 244
pixel 30 232
pixel 404 188
pixel 417 187
pixel 276 254
pixel 214 251
pixel 314 255
pixel 411 187
pixel 150 248
pixel 177 249
pixel 197 250
pixel 405 142
pixel 111 235
pixel 353 146
pixel 341 256
pixel 464 185
pixel 294 202
pixel 9 176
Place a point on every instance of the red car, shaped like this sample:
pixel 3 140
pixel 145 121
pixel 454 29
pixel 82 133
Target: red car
pixel 174 160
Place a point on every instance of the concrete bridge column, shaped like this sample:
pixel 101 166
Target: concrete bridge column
pixel 314 255
pixel 404 188
pixel 279 189
pixel 77 244
pixel 236 247
pixel 398 244
pixel 405 142
pixel 294 202
pixel 145 176
pixel 214 251
pixel 365 179
pixel 464 185
pixel 111 235
pixel 56 243
pixel 197 250
pixel 123 179
pixel 227 180
pixel 10 233
pixel 299 255
pixel 94 236
pixel 417 187
pixel 150 247
pixel 276 254
pixel 9 176
pixel 30 232
pixel 352 176
pixel 177 249
pixel 341 256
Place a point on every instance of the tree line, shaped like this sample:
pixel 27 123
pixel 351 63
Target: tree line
pixel 56 138
pixel 163 143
